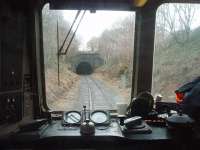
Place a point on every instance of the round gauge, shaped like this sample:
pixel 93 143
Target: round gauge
pixel 72 117
pixel 99 117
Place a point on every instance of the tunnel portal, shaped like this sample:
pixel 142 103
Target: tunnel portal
pixel 84 68
pixel 85 63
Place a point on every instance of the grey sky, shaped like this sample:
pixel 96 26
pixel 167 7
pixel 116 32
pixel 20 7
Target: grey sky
pixel 93 24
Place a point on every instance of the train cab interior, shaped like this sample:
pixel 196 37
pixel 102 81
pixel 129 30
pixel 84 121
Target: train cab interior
pixel 162 81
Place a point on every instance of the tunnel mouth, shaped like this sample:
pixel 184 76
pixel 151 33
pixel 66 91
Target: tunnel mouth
pixel 84 68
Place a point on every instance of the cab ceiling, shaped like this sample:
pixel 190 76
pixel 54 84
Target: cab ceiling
pixel 92 4
pixel 108 4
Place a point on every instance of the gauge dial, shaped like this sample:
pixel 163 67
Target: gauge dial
pixel 99 117
pixel 72 117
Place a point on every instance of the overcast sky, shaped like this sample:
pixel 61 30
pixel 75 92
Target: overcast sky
pixel 93 24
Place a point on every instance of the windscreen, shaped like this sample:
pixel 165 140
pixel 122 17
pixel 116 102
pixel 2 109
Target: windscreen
pixel 88 58
pixel 177 48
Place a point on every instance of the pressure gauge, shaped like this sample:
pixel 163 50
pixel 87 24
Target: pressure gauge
pixel 100 117
pixel 71 118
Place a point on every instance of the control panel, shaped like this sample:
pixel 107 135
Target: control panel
pixel 11 108
pixel 11 70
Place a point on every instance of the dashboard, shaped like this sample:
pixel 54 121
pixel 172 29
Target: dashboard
pixel 64 132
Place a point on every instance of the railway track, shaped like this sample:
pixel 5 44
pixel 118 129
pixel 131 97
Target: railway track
pixel 95 95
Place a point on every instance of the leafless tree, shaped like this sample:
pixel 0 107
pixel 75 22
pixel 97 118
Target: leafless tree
pixel 175 20
pixel 50 18
pixel 115 45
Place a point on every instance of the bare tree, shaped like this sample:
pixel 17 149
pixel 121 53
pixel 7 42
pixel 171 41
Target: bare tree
pixel 50 18
pixel 175 20
pixel 116 47
pixel 186 16
pixel 93 44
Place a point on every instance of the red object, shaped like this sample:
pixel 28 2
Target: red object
pixel 179 97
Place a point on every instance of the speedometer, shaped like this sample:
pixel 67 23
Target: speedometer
pixel 100 117
pixel 71 117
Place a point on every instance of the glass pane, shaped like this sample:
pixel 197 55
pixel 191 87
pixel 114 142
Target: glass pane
pixel 96 69
pixel 177 48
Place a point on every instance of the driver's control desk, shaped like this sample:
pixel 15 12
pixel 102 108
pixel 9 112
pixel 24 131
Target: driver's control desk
pixel 56 129
pixel 56 134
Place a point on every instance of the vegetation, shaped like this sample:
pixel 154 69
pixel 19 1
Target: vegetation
pixel 176 47
pixel 57 94
pixel 50 20
pixel 176 57
pixel 116 47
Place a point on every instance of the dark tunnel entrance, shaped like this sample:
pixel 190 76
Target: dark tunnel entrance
pixel 84 68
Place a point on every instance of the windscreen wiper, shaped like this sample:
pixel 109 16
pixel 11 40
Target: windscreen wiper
pixel 66 50
pixel 76 17
pixel 59 49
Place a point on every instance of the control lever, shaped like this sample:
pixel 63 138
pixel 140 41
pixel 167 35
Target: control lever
pixel 132 122
pixel 135 125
